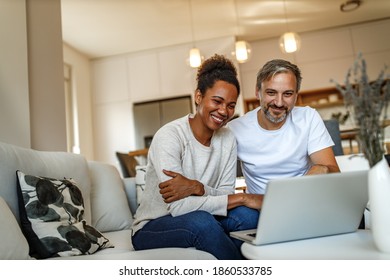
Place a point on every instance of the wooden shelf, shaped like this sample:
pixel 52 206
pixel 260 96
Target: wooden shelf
pixel 319 98
pixel 325 105
pixel 251 104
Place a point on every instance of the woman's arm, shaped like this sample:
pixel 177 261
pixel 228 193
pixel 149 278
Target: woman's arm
pixel 179 187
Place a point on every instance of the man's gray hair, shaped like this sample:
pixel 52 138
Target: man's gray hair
pixel 276 66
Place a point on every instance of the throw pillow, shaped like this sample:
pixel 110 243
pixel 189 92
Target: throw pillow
pixel 51 215
pixel 127 164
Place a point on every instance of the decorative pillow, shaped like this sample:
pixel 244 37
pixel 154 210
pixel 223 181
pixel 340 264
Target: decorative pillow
pixel 51 216
pixel 127 164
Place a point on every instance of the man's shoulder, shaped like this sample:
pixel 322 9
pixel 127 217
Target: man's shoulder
pixel 304 110
pixel 242 120
pixel 305 117
pixel 225 132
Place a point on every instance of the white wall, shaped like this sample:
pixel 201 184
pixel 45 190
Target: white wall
pixel 32 104
pixel 14 127
pixel 46 75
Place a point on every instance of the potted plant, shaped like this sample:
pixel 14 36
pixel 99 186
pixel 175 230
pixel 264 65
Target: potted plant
pixel 367 101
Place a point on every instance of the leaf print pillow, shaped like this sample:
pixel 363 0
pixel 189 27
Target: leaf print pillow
pixel 51 214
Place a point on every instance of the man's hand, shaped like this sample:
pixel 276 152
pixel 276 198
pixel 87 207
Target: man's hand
pixel 254 201
pixel 179 187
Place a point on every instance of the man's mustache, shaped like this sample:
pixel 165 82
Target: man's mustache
pixel 277 107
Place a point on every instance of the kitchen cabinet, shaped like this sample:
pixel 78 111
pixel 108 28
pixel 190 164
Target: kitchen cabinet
pixel 150 116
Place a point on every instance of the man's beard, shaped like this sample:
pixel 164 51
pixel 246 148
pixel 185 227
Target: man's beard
pixel 273 119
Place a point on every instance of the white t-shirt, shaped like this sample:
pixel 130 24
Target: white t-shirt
pixel 268 154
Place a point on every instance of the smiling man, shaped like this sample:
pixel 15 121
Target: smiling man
pixel 278 139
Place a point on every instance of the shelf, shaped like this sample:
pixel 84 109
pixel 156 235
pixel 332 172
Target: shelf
pixel 320 98
pixel 251 104
pixel 325 105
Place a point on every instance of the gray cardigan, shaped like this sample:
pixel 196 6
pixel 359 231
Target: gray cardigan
pixel 175 148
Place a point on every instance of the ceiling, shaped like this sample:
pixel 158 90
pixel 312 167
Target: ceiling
pixel 100 28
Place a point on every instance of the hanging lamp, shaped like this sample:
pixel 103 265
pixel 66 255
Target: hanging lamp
pixel 289 42
pixel 195 58
pixel 242 49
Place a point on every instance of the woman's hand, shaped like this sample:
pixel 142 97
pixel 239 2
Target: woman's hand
pixel 179 187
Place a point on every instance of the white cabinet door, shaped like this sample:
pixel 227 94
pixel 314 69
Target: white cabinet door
pixel 150 116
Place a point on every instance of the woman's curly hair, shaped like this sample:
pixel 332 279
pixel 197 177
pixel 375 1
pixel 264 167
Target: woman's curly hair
pixel 216 68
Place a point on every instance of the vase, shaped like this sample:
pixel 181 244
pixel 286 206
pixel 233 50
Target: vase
pixel 379 196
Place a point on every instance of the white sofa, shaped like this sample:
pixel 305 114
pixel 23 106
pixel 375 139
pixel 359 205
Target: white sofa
pixel 109 202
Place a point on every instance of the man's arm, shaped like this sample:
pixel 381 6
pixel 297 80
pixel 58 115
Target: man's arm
pixel 254 201
pixel 323 161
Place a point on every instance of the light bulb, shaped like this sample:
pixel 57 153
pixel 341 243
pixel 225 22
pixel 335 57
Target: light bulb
pixel 290 42
pixel 242 51
pixel 195 58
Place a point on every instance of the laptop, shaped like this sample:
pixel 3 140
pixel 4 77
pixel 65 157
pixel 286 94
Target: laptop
pixel 308 207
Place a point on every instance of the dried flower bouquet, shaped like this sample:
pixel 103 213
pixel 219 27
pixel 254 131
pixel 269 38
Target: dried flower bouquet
pixel 368 102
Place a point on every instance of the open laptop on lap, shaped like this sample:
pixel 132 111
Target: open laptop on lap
pixel 310 206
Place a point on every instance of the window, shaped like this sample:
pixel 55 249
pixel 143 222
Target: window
pixel 71 112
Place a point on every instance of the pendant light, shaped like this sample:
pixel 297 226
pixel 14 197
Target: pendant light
pixel 242 49
pixel 289 42
pixel 195 58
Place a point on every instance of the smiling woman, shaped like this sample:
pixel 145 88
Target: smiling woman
pixel 189 198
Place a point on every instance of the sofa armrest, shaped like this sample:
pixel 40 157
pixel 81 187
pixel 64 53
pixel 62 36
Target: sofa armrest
pixel 13 244
pixel 131 193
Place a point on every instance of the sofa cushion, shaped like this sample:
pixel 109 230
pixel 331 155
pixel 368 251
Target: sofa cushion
pixel 13 244
pixel 51 214
pixel 47 164
pixel 109 205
